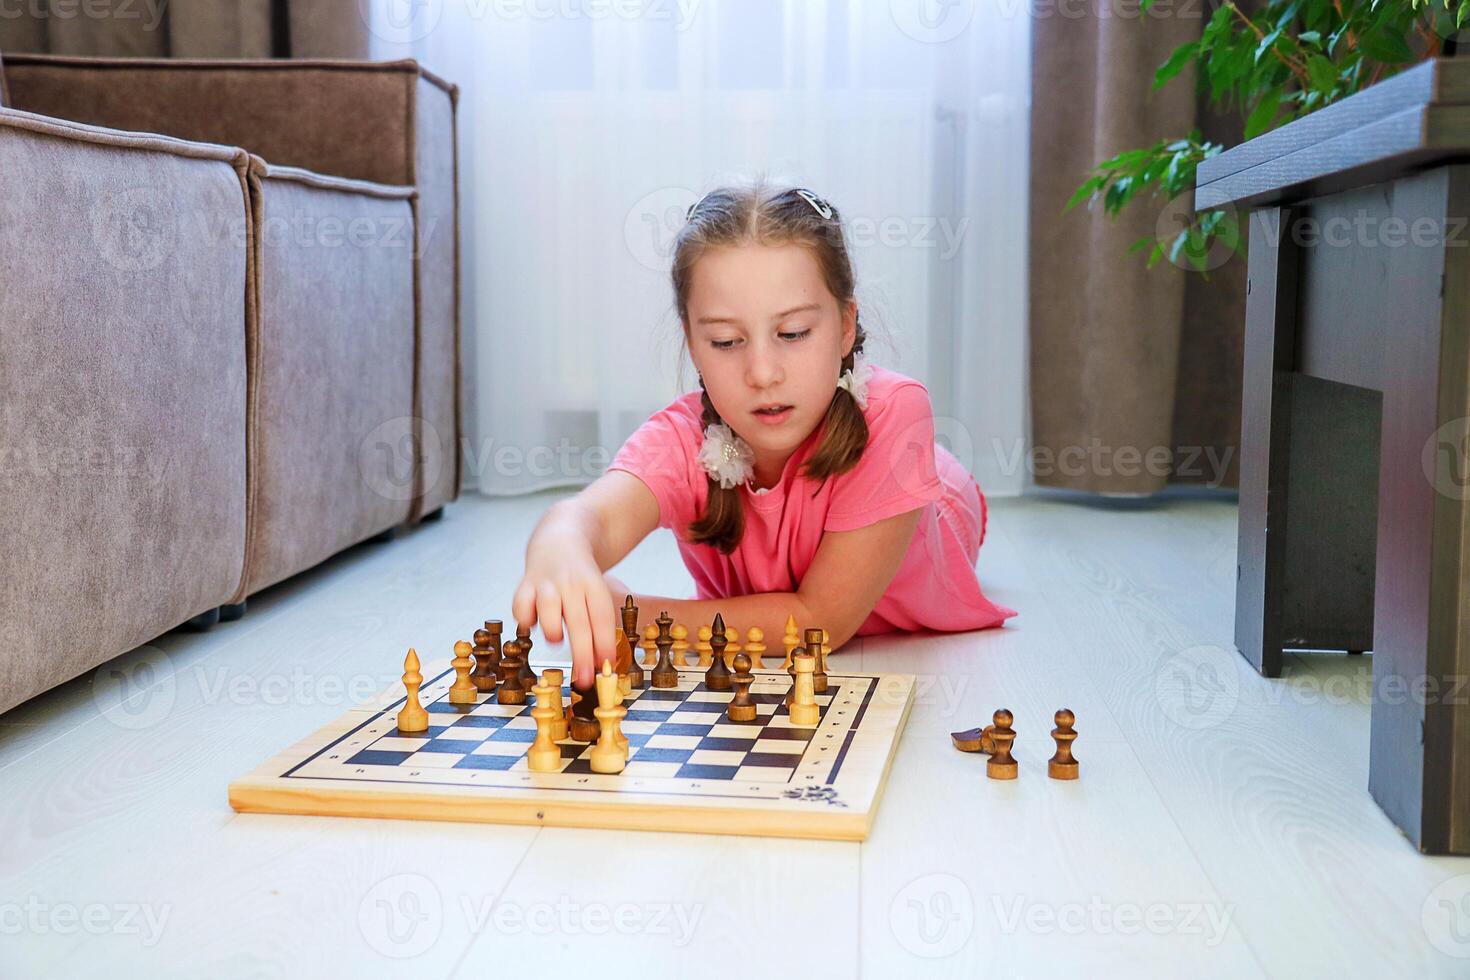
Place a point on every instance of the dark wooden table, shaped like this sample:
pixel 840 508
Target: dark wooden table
pixel 1355 444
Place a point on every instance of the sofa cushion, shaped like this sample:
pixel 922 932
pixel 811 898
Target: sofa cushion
pixel 122 427
pixel 332 367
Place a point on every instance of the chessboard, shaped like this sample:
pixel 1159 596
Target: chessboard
pixel 689 768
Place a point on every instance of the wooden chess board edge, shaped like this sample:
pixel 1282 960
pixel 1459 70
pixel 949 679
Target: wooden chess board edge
pixel 336 801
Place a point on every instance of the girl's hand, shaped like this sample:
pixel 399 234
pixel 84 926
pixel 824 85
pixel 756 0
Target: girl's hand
pixel 563 584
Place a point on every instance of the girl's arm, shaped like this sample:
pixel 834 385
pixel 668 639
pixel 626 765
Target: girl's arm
pixel 573 543
pixel 848 576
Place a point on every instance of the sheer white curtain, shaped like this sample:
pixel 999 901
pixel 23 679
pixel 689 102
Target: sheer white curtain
pixel 587 127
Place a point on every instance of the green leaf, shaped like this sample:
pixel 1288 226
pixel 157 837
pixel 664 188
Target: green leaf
pixel 1263 114
pixel 1323 74
pixel 1082 193
pixel 1386 46
pixel 1266 43
pixel 1182 56
pixel 1310 37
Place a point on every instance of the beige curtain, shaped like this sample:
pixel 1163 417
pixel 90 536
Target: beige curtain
pixel 186 28
pixel 1135 372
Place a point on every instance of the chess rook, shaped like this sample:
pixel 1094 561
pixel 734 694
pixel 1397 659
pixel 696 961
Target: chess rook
pixel 804 711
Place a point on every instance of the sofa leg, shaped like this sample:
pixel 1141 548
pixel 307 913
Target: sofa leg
pixel 203 621
pixel 432 515
pixel 385 536
pixel 229 613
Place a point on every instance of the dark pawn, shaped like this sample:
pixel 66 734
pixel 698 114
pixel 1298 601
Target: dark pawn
pixel 511 689
pixel 741 708
pixel 665 674
pixel 584 727
pixel 484 674
pixel 523 644
pixel 717 678
pixel 814 647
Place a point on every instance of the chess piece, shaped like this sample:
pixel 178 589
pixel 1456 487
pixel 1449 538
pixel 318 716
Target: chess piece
pixel 741 707
pixel 554 677
pixel 665 674
pixel 584 724
pixel 732 646
pixel 680 633
pixel 974 740
pixel 523 644
pixel 702 646
pixel 630 638
pixel 413 718
pixel 755 646
pixel 717 678
pixel 1062 765
pixel 813 646
pixel 648 646
pixel 803 711
pixel 790 640
pixel 633 676
pixel 463 690
pixel 1001 764
pixel 483 676
pixel 544 755
pixel 512 691
pixel 607 756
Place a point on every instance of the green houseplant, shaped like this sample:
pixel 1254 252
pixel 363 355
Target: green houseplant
pixel 1271 61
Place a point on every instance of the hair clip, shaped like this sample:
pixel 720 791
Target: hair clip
pixel 819 205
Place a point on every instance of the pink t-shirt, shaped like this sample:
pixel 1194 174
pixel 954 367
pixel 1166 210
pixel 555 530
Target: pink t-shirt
pixel 901 469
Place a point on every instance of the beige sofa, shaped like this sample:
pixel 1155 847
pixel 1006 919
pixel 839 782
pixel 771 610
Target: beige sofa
pixel 228 314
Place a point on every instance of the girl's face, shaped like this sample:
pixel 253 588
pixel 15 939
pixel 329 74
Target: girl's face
pixel 768 338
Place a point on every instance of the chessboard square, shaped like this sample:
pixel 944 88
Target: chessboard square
pixel 396 743
pixel 763 774
pixel 369 757
pixel 497 762
pixel 508 734
pixel 476 720
pixel 780 746
pixel 695 771
pixel 780 727
pixel 523 765
pixel 741 745
pixel 711 757
pixel 652 754
pixel 685 717
pixel 433 759
pixel 663 741
pixel 494 709
pixel 445 707
pixel 672 729
pixel 465 733
pixel 649 768
pixel 636 738
pixel 661 697
pixel 717 696
pixel 521 721
pixel 638 727
pixel 492 747
pixel 774 760
pixel 744 730
pixel 444 745
pixel 771 699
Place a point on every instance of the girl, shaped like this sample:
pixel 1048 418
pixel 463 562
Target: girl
pixel 799 479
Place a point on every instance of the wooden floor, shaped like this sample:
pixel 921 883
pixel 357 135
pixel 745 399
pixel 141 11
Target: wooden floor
pixel 1221 826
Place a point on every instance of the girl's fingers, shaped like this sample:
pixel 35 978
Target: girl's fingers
pixel 549 609
pixel 523 604
pixel 579 634
pixel 604 624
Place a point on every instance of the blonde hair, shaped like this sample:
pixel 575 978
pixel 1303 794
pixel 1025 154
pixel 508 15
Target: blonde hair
pixel 762 214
